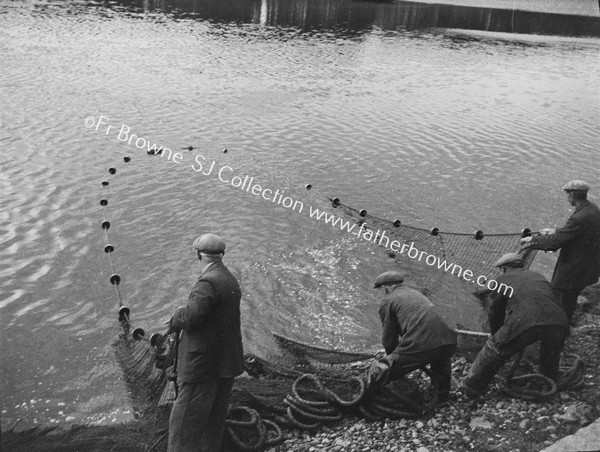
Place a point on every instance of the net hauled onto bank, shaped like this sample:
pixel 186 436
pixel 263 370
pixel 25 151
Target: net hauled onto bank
pixel 306 385
pixel 148 382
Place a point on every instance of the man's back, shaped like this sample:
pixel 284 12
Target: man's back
pixel 407 313
pixel 532 303
pixel 579 261
pixel 211 342
pixel 578 264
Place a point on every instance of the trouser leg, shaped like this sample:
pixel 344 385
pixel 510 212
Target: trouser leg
pixel 216 423
pixel 493 356
pixel 550 348
pixel 393 367
pixel 441 371
pixel 484 368
pixel 439 362
pixel 190 416
pixel 568 299
pixel 403 363
pixel 551 338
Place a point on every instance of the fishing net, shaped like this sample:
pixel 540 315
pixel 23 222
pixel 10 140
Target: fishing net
pixel 300 392
pixel 145 364
pixel 477 252
pixel 303 353
pixel 303 385
pixel 444 265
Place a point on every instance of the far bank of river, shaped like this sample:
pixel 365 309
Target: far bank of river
pixel 570 7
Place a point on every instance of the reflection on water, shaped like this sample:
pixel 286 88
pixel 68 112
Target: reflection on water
pixel 356 16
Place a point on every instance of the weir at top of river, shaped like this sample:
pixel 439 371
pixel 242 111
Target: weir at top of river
pixel 465 118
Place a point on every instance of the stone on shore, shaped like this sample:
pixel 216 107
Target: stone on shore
pixel 584 440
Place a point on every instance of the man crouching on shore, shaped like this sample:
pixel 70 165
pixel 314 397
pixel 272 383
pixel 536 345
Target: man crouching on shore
pixel 414 335
pixel 531 314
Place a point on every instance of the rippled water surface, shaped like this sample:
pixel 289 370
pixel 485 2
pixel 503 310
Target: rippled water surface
pixel 395 108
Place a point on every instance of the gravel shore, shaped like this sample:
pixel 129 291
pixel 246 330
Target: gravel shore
pixel 496 423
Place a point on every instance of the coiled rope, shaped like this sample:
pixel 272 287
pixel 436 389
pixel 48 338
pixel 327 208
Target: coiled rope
pixel 535 386
pixel 311 403
pixel 315 405
pixel 259 433
pixel 572 370
pixel 308 406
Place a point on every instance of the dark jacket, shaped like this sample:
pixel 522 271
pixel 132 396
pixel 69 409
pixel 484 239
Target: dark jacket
pixel 211 340
pixel 410 324
pixel 578 264
pixel 532 303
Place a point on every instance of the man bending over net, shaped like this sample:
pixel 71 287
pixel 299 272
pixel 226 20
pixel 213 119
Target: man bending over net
pixel 414 335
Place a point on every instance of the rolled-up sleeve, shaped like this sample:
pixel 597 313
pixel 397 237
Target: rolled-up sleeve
pixel 199 306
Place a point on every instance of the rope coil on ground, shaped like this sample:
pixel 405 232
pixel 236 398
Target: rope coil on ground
pixel 327 414
pixel 325 411
pixel 318 392
pixel 273 427
pixel 301 425
pixel 329 396
pixel 534 385
pixel 254 416
pixel 530 387
pixel 572 375
pixel 352 402
pixel 309 407
pixel 242 427
pixel 309 414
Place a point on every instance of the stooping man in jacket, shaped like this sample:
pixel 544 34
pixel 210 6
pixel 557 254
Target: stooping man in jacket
pixel 210 353
pixel 518 318
pixel 578 264
pixel 414 335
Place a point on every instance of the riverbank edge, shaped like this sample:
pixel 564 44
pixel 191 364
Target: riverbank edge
pixel 495 424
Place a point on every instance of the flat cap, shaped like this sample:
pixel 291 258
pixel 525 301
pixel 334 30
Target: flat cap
pixel 209 244
pixel 509 258
pixel 576 185
pixel 390 277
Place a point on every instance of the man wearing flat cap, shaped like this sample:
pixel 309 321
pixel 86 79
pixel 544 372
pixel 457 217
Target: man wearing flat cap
pixel 529 313
pixel 210 352
pixel 414 335
pixel 578 264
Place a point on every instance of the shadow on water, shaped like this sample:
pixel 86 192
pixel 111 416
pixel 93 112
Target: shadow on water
pixel 357 16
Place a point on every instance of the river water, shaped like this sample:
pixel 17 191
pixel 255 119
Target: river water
pixel 458 117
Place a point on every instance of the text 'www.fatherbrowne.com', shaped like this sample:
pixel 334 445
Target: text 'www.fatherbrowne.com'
pixel 409 249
